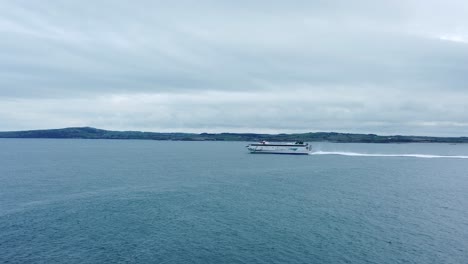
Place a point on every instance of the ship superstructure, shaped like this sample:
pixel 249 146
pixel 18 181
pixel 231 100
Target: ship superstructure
pixel 264 147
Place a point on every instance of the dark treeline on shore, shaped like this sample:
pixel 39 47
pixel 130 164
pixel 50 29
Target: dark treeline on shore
pixel 94 133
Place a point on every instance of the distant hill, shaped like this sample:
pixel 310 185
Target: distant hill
pixel 94 133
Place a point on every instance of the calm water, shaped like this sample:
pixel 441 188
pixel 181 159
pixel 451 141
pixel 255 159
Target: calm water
pixel 95 201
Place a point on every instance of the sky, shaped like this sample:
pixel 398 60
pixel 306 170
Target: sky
pixel 362 66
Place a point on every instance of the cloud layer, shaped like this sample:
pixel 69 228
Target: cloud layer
pixel 389 67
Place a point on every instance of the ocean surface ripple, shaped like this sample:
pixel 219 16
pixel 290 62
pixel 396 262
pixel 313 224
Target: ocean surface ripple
pixel 130 201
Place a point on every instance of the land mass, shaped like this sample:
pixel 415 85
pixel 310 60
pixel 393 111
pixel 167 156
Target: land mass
pixel 94 133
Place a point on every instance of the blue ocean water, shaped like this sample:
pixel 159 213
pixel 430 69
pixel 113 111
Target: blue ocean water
pixel 111 201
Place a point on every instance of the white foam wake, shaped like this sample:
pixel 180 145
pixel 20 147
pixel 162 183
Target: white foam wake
pixel 427 156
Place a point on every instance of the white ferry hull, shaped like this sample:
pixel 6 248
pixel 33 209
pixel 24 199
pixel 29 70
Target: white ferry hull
pixel 278 148
pixel 278 152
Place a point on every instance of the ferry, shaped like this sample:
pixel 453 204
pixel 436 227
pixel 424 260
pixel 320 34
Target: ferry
pixel 295 148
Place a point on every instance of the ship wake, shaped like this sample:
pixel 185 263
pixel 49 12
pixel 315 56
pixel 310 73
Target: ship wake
pixel 356 154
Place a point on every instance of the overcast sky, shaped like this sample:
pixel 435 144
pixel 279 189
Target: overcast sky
pixel 386 67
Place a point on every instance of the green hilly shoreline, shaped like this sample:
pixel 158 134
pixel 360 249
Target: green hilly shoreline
pixel 94 133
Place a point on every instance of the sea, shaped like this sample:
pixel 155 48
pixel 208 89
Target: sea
pixel 142 201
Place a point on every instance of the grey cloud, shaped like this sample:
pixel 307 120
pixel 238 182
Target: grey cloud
pixel 75 53
pixel 246 111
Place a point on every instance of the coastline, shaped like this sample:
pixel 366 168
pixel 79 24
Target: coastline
pixel 94 133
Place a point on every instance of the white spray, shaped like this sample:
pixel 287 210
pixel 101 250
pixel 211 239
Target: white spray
pixel 427 156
